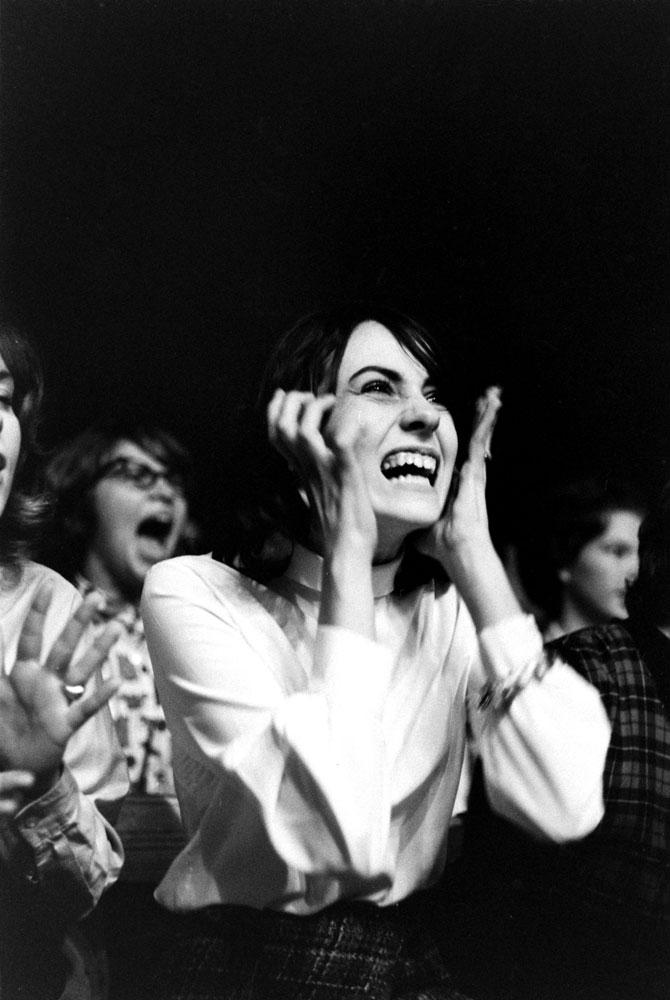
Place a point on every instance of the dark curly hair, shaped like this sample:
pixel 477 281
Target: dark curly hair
pixel 565 522
pixel 270 514
pixel 71 473
pixel 26 510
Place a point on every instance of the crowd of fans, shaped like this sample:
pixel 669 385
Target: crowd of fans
pixel 234 775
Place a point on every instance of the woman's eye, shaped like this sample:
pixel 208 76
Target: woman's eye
pixel 435 397
pixel 6 401
pixel 378 386
pixel 618 551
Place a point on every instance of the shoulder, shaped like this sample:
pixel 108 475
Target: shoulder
pixel 605 651
pixel 186 568
pixel 38 574
pixel 195 579
pixel 16 595
pixel 24 584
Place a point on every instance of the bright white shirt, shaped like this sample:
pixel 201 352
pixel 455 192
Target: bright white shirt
pixel 313 764
pixel 63 841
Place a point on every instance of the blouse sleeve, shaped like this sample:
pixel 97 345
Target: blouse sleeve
pixel 64 849
pixel 543 751
pixel 311 752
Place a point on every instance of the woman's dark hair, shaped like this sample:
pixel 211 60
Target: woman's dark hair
pixel 269 511
pixel 72 472
pixel 576 513
pixel 649 594
pixel 25 512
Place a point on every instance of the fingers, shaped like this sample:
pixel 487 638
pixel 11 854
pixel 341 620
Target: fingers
pixel 487 409
pixel 30 639
pixel 295 426
pixel 62 651
pixel 85 707
pixel 93 657
pixel 13 784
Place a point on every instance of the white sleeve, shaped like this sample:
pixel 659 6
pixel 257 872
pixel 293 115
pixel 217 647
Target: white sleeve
pixel 313 758
pixel 543 755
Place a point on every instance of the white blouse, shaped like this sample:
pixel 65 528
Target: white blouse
pixel 312 764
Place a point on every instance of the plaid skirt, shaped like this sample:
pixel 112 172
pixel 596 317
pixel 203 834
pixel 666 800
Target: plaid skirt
pixel 346 952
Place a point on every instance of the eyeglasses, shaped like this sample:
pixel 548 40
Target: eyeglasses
pixel 141 475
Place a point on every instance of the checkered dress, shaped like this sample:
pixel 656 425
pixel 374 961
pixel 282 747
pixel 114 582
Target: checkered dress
pixel 625 862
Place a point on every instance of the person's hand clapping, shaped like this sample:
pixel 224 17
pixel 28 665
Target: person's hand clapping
pixel 461 540
pixel 324 457
pixel 43 704
pixel 464 523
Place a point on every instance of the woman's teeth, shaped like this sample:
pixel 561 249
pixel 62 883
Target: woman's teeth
pixel 410 464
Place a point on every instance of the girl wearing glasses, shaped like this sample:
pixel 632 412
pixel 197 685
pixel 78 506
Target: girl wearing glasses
pixel 317 683
pixel 121 506
pixel 62 773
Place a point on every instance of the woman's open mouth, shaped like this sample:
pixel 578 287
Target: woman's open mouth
pixel 154 533
pixel 410 466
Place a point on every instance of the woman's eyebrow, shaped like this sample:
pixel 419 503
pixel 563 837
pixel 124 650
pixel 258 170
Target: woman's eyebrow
pixel 5 376
pixel 388 373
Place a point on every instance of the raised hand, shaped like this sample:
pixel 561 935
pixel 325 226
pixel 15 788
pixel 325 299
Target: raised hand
pixel 324 457
pixel 38 714
pixel 461 540
pixel 465 520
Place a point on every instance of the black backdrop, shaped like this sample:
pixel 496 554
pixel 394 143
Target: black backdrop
pixel 183 178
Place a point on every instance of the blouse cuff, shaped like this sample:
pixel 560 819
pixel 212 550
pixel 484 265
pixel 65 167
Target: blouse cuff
pixel 512 651
pixel 45 818
pixel 348 666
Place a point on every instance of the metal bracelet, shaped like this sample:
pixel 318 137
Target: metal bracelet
pixel 501 693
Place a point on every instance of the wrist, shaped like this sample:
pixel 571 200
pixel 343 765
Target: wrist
pixel 346 596
pixel 482 582
pixel 351 554
pixel 471 555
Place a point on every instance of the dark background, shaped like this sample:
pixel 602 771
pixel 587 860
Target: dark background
pixel 181 179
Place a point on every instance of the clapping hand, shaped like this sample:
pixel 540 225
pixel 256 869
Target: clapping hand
pixel 43 704
pixel 461 540
pixel 465 519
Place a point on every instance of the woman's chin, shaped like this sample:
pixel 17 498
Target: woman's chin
pixel 393 535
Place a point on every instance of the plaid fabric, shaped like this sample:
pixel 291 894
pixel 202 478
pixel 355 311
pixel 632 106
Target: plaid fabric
pixel 626 861
pixel 346 952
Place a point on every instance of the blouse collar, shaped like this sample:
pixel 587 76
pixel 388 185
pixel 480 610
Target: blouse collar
pixel 306 568
pixel 113 607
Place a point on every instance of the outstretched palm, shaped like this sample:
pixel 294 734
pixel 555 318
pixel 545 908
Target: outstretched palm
pixel 38 718
pixel 465 521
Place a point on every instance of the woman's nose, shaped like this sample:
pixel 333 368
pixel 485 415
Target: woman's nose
pixel 633 566
pixel 420 414
pixel 163 488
